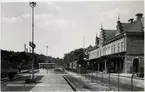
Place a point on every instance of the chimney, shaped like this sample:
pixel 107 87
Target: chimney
pixel 130 20
pixel 138 16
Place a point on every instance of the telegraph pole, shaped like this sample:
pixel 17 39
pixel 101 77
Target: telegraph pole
pixel 32 4
pixel 83 47
pixel 46 50
pixel 46 57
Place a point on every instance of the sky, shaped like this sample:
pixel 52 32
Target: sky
pixel 62 26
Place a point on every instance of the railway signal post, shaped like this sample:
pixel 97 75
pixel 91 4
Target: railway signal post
pixel 31 43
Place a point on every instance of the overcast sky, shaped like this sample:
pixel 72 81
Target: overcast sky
pixel 61 25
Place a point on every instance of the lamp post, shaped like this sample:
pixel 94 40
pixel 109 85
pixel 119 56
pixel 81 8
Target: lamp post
pixel 32 4
pixel 79 69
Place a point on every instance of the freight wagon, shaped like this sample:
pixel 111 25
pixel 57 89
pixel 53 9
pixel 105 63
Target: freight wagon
pixel 9 69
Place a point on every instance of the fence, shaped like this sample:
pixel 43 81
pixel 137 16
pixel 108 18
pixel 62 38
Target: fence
pixel 114 82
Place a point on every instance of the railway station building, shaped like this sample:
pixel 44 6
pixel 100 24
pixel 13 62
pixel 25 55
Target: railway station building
pixel 119 50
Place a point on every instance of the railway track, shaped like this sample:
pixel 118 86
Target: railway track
pixel 70 83
pixel 76 84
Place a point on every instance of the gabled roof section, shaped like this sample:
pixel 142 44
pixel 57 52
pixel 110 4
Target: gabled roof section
pixel 93 48
pixel 136 26
pixel 88 49
pixel 126 25
pixel 109 33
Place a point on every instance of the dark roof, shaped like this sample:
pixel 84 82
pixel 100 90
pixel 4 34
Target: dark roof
pixel 125 25
pixel 92 48
pixel 109 33
pixel 136 26
pixel 88 48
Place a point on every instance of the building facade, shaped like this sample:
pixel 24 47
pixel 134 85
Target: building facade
pixel 120 50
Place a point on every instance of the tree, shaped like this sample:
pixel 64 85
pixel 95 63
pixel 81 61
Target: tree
pixel 75 55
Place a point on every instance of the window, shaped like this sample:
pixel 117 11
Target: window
pixel 100 52
pixel 118 47
pixel 108 50
pixel 122 46
pixel 114 48
pixel 105 51
pixel 97 53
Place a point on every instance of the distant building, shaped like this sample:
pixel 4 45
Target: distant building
pixel 87 50
pixel 121 49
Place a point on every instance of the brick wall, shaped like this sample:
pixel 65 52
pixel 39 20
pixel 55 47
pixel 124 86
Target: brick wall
pixel 135 45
